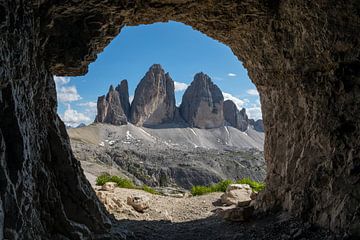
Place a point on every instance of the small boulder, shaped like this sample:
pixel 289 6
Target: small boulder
pixel 237 194
pixel 109 186
pixel 238 186
pixel 238 214
pixel 139 203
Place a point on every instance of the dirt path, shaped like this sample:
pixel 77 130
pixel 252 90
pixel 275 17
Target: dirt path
pixel 193 218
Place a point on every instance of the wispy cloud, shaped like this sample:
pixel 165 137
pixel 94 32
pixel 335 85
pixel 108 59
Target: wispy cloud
pixel 252 92
pixel 60 81
pixel 254 112
pixel 238 102
pixel 73 118
pixel 232 74
pixel 88 104
pixel 68 94
pixel 131 98
pixel 179 86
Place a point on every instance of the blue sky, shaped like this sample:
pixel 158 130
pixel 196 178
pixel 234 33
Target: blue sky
pixel 181 50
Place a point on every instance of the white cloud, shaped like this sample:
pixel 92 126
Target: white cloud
pixel 232 75
pixel 254 112
pixel 238 102
pixel 252 92
pixel 73 118
pixel 68 94
pixel 131 98
pixel 88 104
pixel 90 108
pixel 60 81
pixel 179 86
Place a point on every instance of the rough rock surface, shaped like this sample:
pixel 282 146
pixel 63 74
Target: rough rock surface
pixel 237 194
pixel 300 54
pixel 123 91
pixel 234 117
pixel 109 186
pixel 110 108
pixel 179 157
pixel 139 202
pixel 154 99
pixel 202 103
pixel 258 125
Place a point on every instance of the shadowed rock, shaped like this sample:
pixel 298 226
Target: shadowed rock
pixel 234 117
pixel 202 103
pixel 109 108
pixel 258 125
pixel 154 99
pixel 123 91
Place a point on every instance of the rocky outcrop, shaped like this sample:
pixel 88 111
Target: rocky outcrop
pixel 123 91
pixel 258 125
pixel 237 194
pixel 300 55
pixel 154 99
pixel 234 117
pixel 202 103
pixel 110 109
pixel 139 202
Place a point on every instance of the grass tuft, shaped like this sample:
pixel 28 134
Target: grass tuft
pixel 222 185
pixel 122 183
pixel 256 186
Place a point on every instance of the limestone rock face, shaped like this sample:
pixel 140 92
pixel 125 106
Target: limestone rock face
pixel 258 125
pixel 109 109
pixel 234 117
pixel 202 103
pixel 237 194
pixel 123 91
pixel 154 99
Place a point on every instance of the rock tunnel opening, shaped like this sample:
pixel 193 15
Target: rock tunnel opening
pixel 300 54
pixel 176 132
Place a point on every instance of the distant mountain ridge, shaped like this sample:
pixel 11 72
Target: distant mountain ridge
pixel 202 105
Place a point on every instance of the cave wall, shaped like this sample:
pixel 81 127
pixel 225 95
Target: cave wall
pixel 302 55
pixel 43 191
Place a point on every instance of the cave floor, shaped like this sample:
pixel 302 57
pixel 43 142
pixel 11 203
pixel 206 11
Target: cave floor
pixel 279 226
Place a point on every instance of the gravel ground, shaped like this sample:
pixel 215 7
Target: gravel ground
pixel 194 218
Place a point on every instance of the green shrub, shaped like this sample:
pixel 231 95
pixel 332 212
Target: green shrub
pixel 255 186
pixel 122 183
pixel 218 187
pixel 102 179
pixel 222 185
pixel 149 189
pixel 200 190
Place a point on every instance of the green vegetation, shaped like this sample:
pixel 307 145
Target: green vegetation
pixel 255 186
pixel 222 185
pixel 122 183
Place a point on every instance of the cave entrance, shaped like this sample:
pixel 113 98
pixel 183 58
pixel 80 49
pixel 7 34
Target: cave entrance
pixel 175 128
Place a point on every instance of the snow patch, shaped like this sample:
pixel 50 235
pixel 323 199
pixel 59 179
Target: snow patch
pixel 227 130
pixel 102 144
pixel 193 131
pixel 146 133
pixel 128 135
